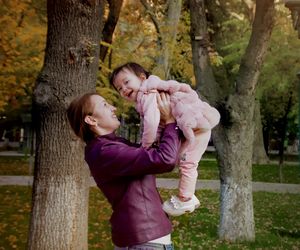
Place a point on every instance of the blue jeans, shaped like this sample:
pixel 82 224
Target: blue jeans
pixel 147 246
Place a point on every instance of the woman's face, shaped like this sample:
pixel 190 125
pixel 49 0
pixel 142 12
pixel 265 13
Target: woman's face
pixel 128 84
pixel 103 114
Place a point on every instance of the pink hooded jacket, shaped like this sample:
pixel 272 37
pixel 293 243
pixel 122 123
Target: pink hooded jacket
pixel 189 111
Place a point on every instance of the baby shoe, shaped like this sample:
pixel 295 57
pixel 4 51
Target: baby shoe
pixel 176 207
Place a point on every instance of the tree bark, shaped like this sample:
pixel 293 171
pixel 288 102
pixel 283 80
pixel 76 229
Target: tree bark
pixel 283 129
pixel 110 25
pixel 259 155
pixel 233 137
pixel 167 31
pixel 282 136
pixel 173 16
pixel 61 177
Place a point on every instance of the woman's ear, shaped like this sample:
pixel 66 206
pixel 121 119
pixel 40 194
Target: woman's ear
pixel 90 120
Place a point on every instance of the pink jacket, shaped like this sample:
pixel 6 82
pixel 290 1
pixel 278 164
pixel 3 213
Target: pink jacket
pixel 189 111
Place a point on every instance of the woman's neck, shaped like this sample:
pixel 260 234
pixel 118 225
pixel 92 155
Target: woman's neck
pixel 102 131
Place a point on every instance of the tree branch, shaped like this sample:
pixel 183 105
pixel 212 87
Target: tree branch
pixel 252 60
pixel 153 17
pixel 110 25
pixel 250 6
pixel 206 83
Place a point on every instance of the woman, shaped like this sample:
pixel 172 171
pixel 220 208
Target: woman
pixel 125 172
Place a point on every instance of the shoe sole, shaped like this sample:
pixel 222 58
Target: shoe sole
pixel 188 211
pixel 185 212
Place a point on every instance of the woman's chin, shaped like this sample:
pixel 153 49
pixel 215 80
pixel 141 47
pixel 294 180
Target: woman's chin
pixel 117 124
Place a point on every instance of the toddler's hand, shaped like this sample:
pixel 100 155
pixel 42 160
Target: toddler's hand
pixel 163 103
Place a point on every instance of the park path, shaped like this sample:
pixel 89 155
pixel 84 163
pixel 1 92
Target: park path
pixel 166 182
pixel 173 184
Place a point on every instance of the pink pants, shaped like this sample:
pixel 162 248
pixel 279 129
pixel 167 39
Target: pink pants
pixel 188 164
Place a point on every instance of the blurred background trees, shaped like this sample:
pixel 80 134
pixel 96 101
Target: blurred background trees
pixel 134 31
pixel 22 43
pixel 135 34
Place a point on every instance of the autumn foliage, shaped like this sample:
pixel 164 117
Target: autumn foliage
pixel 22 42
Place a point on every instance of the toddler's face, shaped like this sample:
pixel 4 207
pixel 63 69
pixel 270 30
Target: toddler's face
pixel 128 84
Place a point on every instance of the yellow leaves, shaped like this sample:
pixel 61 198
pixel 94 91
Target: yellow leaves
pixel 10 79
pixel 31 13
pixel 12 239
pixel 35 59
pixel 106 44
pixel 14 217
pixel 22 42
pixel 2 104
pixel 2 227
pixel 215 58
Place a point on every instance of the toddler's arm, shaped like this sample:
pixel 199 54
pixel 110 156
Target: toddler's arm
pixel 171 86
pixel 151 119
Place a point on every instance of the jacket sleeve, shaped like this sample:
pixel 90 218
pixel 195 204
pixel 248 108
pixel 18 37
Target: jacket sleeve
pixel 115 159
pixel 151 118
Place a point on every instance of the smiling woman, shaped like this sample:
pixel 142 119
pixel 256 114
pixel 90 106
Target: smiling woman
pixel 125 172
pixel 90 115
pixel 102 119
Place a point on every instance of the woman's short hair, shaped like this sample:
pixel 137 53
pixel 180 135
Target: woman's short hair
pixel 78 109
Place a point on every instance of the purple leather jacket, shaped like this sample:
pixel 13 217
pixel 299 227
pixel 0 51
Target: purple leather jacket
pixel 124 173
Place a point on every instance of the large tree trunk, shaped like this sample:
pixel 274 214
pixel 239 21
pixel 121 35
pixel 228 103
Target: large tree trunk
pixel 61 177
pixel 234 146
pixel 259 155
pixel 233 138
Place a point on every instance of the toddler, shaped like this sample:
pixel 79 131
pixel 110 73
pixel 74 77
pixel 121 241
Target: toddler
pixel 194 117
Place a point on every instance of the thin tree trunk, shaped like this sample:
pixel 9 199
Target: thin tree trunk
pixel 61 177
pixel 233 138
pixel 266 135
pixel 283 136
pixel 110 25
pixel 174 10
pixel 167 32
pixel 259 155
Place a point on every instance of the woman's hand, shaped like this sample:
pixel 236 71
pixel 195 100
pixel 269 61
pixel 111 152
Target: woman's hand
pixel 163 103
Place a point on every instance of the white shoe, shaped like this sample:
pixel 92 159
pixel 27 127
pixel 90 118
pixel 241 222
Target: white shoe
pixel 176 207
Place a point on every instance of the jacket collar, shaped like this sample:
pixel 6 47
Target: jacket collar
pixel 107 136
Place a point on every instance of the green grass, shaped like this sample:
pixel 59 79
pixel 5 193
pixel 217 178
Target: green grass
pixel 277 219
pixel 261 173
pixel 15 165
pixel 208 169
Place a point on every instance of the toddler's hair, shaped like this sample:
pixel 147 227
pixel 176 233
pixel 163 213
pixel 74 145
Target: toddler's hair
pixel 135 68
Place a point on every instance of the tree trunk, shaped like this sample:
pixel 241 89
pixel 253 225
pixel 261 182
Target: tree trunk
pixel 167 32
pixel 110 25
pixel 170 32
pixel 233 138
pixel 283 129
pixel 282 134
pixel 259 155
pixel 61 177
pixel 234 147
